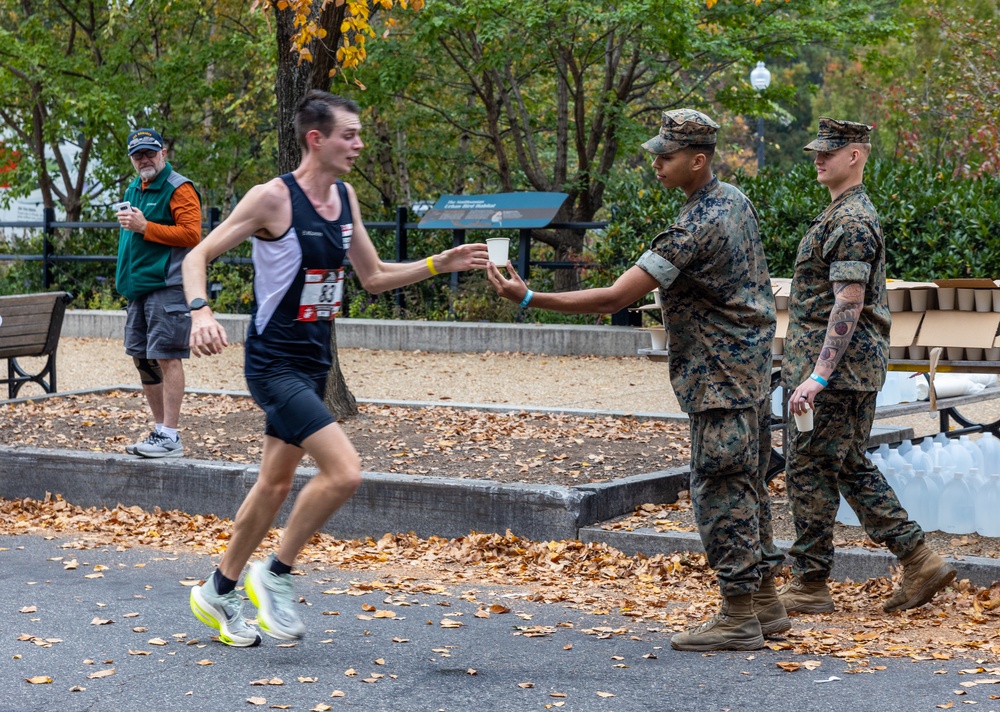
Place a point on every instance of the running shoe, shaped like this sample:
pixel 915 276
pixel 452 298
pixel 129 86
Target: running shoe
pixel 159 445
pixel 225 614
pixel 131 449
pixel 275 601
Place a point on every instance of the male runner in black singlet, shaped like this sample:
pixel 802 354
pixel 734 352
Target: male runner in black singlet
pixel 303 224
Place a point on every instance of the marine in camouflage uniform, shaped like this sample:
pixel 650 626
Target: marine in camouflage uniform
pixel 843 251
pixel 719 310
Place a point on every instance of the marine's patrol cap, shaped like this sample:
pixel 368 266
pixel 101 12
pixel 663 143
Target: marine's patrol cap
pixel 834 134
pixel 681 128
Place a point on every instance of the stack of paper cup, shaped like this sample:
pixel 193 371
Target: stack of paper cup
pixel 946 298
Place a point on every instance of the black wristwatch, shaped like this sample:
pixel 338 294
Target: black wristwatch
pixel 197 303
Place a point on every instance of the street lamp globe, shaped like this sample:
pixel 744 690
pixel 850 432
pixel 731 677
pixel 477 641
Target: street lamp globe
pixel 760 78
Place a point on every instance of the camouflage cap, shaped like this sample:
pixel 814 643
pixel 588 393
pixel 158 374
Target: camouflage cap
pixel 834 134
pixel 681 128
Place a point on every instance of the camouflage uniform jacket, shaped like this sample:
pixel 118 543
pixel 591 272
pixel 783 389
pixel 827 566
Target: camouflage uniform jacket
pixel 717 300
pixel 844 244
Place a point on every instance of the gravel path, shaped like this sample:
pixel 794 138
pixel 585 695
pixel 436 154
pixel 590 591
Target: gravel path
pixel 623 383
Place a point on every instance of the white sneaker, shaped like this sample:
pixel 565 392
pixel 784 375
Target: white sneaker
pixel 159 445
pixel 275 601
pixel 225 614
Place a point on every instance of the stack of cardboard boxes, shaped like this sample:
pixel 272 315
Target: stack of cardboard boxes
pixel 962 316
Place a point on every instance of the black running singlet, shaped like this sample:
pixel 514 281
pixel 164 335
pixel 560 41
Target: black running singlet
pixel 297 286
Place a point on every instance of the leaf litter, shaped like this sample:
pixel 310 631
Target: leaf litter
pixel 534 448
pixel 658 594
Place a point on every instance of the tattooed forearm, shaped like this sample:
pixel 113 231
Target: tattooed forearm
pixel 849 301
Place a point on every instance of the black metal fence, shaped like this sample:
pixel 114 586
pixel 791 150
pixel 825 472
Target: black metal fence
pixel 401 226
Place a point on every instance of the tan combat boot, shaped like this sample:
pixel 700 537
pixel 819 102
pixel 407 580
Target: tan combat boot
pixel 800 596
pixel 769 609
pixel 735 627
pixel 924 574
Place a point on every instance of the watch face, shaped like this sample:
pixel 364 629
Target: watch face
pixel 197 304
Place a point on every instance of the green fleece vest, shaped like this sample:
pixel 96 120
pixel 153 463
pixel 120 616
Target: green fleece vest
pixel 145 266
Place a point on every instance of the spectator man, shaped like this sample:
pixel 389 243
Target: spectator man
pixel 717 300
pixel 159 226
pixel 835 359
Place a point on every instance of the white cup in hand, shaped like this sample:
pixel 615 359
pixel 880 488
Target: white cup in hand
pixel 804 421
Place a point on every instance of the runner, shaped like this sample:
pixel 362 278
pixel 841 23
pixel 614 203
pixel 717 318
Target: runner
pixel 304 224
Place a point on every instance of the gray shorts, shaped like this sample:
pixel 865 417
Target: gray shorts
pixel 158 325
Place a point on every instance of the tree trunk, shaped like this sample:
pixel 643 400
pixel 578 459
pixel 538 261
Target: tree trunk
pixel 293 81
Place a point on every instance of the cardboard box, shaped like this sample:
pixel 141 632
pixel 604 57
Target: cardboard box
pixel 904 329
pixel 958 329
pixel 782 328
pixel 966 283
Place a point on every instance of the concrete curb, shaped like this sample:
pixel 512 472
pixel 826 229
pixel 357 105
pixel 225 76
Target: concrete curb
pixel 855 564
pixel 427 506
pixel 403 335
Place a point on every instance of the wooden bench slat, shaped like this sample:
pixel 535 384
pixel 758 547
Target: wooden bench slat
pixel 30 326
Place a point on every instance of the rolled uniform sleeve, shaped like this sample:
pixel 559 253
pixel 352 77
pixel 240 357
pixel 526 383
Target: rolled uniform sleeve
pixel 668 254
pixel 851 248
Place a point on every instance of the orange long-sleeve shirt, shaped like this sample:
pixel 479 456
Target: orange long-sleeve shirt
pixel 186 210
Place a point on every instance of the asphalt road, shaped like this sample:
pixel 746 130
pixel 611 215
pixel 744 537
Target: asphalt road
pixel 486 664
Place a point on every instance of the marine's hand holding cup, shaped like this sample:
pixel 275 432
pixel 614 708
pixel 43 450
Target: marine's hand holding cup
pixel 512 288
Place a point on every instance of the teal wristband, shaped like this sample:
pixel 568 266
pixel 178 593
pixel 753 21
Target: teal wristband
pixel 819 379
pixel 527 298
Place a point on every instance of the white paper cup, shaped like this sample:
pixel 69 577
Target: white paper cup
pixel 897 300
pixel 973 354
pixel 955 353
pixel 658 338
pixel 984 300
pixel 897 352
pixel 996 299
pixel 498 248
pixel 918 300
pixel 946 298
pixel 781 302
pixel 804 422
pixel 966 299
pixel 918 353
pixel 992 354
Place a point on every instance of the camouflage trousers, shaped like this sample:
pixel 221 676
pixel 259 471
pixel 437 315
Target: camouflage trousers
pixel 829 460
pixel 730 452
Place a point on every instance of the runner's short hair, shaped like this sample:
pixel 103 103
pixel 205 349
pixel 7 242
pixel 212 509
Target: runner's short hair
pixel 316 112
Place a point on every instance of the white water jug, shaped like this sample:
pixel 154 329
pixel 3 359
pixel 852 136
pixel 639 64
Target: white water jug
pixel 957 508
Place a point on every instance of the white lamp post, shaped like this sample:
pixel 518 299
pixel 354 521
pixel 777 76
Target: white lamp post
pixel 760 79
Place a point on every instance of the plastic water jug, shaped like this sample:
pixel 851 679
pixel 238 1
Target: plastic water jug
pixel 957 508
pixel 921 460
pixel 974 452
pixel 776 396
pixel 990 447
pixel 907 387
pixel 975 480
pixel 988 507
pixel 961 458
pixel 904 476
pixel 921 495
pixel 846 515
pixel 904 447
pixel 896 460
pixel 895 481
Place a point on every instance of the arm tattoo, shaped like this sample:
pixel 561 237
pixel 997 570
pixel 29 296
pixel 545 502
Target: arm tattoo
pixel 849 300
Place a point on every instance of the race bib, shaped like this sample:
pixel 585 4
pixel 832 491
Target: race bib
pixel 322 294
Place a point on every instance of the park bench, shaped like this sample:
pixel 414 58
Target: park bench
pixel 30 325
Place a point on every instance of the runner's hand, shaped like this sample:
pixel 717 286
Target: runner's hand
pixel 207 335
pixel 461 258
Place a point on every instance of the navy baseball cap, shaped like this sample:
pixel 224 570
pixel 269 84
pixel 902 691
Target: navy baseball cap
pixel 143 140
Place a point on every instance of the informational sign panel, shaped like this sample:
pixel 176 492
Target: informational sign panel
pixel 499 211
